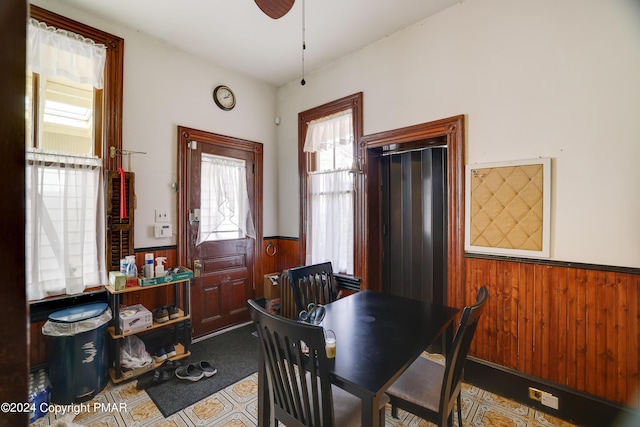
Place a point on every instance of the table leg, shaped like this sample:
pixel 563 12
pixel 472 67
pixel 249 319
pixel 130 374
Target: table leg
pixel 370 412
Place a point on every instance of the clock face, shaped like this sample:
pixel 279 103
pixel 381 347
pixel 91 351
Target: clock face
pixel 224 97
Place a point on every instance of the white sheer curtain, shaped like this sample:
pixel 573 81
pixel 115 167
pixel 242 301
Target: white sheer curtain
pixel 65 236
pixel 224 201
pixel 330 220
pixel 330 189
pixel 329 131
pixel 52 52
pixel 65 224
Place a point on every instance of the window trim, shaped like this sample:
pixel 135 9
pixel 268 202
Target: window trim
pixel 304 163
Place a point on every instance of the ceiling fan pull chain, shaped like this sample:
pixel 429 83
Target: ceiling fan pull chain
pixel 304 44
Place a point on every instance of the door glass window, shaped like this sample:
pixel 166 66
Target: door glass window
pixel 224 201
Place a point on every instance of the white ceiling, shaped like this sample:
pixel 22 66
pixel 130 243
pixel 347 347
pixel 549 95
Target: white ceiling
pixel 237 35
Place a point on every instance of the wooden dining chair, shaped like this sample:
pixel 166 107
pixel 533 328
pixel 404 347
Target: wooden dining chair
pixel 313 284
pixel 429 389
pixel 297 370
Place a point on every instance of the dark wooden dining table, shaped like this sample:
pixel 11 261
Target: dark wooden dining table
pixel 377 337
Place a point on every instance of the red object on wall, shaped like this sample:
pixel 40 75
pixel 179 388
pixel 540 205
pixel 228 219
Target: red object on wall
pixel 123 195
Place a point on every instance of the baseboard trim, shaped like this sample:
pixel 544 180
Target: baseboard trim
pixel 574 406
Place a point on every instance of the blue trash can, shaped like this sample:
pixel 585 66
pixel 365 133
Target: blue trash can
pixel 78 359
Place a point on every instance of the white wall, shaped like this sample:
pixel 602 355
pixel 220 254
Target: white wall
pixel 164 88
pixel 535 78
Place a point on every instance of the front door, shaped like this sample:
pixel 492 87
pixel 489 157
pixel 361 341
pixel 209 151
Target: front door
pixel 220 218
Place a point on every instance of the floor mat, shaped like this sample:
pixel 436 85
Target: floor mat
pixel 234 354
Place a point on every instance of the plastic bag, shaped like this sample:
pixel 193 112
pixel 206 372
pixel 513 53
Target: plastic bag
pixel 59 329
pixel 133 353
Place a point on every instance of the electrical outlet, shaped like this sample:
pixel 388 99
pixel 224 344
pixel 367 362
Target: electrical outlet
pixel 543 397
pixel 535 394
pixel 549 400
pixel 162 215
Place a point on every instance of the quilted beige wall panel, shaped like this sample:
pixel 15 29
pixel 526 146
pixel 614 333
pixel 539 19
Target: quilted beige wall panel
pixel 507 207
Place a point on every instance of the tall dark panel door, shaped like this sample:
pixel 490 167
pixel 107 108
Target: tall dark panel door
pixel 414 192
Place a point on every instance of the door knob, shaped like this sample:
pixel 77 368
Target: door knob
pixel 197 267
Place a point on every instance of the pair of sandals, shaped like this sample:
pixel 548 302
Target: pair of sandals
pixel 195 372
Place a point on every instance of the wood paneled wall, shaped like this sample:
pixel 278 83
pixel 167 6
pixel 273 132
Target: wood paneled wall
pixel 287 254
pixel 572 325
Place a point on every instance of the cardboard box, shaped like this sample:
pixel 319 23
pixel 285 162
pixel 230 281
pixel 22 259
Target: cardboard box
pixel 134 318
pixel 130 373
pixel 117 280
pixel 187 274
pixel 271 288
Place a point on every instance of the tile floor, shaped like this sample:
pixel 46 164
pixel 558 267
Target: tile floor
pixel 122 405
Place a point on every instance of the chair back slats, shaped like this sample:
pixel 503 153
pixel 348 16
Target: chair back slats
pixel 312 284
pixel 457 355
pixel 296 366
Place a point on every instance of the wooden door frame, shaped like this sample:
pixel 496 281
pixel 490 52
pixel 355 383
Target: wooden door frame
pixel 185 135
pixel 14 365
pixel 414 137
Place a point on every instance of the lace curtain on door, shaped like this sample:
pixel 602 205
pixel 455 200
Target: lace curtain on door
pixel 225 212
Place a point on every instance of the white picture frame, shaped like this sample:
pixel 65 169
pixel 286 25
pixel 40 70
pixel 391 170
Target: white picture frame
pixel 473 171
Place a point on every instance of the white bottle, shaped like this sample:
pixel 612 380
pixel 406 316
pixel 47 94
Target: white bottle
pixel 160 266
pixel 147 269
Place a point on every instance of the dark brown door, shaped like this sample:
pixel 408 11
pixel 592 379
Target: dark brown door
pixel 218 249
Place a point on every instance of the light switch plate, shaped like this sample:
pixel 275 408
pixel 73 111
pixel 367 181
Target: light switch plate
pixel 162 215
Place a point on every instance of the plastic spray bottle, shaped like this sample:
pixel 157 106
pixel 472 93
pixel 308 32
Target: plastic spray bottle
pixel 160 265
pixel 132 271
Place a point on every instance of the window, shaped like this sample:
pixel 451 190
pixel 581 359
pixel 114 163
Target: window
pixel 73 91
pixel 329 184
pixel 330 191
pixel 60 115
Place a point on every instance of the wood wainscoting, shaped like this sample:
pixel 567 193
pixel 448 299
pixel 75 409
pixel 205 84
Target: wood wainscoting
pixel 280 253
pixel 571 324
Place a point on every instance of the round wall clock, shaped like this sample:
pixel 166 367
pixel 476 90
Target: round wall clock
pixel 224 97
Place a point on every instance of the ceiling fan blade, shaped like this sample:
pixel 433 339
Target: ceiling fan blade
pixel 275 8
